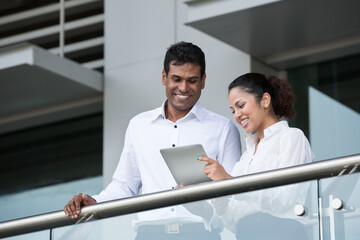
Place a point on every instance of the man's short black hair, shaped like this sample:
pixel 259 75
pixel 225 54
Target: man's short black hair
pixel 184 52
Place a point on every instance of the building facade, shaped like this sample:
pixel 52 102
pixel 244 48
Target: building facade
pixel 69 89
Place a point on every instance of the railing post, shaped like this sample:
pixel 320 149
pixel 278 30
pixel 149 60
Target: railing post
pixel 336 220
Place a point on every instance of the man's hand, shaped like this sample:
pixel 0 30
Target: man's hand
pixel 73 208
pixel 214 170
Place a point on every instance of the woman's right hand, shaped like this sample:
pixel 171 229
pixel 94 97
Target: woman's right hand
pixel 214 170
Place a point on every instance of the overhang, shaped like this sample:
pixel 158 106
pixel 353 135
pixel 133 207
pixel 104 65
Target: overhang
pixel 283 34
pixel 37 87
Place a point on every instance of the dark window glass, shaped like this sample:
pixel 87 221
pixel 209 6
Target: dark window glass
pixel 338 78
pixel 51 154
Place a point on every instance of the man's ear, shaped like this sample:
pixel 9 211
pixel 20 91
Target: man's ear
pixel 163 77
pixel 203 81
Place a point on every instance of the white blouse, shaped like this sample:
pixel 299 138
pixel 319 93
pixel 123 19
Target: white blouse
pixel 281 147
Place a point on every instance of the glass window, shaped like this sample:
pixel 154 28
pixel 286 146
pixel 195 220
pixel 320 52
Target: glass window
pixel 337 78
pixel 51 154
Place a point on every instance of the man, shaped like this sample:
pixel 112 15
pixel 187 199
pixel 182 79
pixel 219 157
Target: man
pixel 179 121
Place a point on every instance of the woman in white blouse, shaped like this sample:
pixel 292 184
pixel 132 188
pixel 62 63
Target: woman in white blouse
pixel 258 103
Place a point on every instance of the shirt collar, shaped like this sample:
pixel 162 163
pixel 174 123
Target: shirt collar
pixel 268 132
pixel 196 111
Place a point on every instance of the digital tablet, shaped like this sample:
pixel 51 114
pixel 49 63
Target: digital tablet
pixel 183 164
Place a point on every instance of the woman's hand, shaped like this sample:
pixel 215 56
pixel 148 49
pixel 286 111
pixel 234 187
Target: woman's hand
pixel 214 170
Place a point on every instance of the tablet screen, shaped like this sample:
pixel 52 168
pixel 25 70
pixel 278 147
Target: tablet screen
pixel 183 164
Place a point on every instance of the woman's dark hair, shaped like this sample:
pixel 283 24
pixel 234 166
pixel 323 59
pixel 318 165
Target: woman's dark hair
pixel 282 98
pixel 184 52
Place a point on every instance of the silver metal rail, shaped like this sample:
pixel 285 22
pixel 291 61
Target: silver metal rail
pixel 318 170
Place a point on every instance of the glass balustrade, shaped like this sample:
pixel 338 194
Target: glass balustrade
pixel 340 207
pixel 276 213
pixel 40 235
pixel 316 209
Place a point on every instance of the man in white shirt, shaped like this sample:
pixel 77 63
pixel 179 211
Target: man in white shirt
pixel 181 120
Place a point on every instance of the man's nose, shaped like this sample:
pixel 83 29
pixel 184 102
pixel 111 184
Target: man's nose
pixel 183 86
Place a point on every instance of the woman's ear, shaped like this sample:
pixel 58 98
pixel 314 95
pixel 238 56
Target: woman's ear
pixel 266 100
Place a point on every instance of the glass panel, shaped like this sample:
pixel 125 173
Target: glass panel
pixel 46 199
pixel 340 207
pixel 269 213
pixel 337 78
pixel 326 140
pixel 41 235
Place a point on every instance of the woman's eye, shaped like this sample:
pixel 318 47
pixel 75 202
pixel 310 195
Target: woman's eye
pixel 241 105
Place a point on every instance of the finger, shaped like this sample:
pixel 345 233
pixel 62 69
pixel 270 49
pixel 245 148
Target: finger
pixel 207 170
pixel 66 212
pixel 206 159
pixel 77 203
pixel 71 209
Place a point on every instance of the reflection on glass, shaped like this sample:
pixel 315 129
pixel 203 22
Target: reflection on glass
pixel 268 213
pixel 340 206
pixel 41 235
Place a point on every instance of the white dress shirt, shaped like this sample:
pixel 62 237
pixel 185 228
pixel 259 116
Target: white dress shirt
pixel 281 147
pixel 142 166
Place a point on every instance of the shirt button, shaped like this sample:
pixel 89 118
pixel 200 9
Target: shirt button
pixel 172 209
pixel 175 126
pixel 173 145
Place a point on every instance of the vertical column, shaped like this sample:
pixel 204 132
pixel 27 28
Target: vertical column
pixel 62 28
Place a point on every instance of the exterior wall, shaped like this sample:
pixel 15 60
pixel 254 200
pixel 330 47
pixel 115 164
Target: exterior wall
pixel 136 39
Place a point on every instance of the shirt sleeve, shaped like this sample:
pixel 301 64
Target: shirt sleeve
pixel 294 149
pixel 230 147
pixel 126 180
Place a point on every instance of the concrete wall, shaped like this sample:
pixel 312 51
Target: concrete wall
pixel 136 39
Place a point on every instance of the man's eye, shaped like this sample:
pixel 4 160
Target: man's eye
pixel 193 81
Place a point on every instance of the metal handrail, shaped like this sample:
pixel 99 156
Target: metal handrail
pixel 312 171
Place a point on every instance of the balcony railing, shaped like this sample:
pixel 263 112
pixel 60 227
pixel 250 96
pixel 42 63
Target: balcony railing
pixel 318 170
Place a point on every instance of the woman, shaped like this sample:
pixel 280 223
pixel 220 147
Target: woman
pixel 258 103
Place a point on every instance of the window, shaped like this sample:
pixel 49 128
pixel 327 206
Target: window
pixel 51 154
